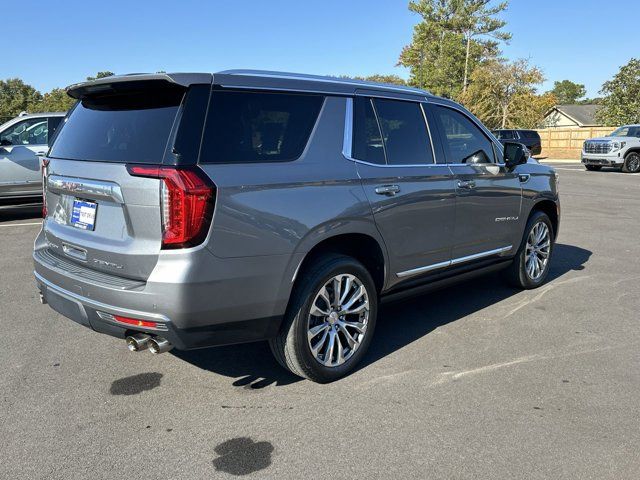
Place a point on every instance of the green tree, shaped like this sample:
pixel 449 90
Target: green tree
pixel 393 79
pixel 453 37
pixel 56 100
pixel 621 102
pixel 15 97
pixel 504 95
pixel 568 92
pixel 101 75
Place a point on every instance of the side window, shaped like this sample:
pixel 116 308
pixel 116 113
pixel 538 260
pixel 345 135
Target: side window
pixel 33 131
pixel 367 139
pixel 248 127
pixel 404 132
pixel 464 142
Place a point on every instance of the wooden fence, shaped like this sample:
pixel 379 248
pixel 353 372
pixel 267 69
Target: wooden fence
pixel 567 142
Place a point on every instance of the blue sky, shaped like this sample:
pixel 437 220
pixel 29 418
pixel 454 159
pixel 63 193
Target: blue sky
pixel 582 40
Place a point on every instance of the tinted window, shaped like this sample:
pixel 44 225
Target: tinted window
pixel 33 131
pixel 132 127
pixel 529 134
pixel 463 140
pixel 505 134
pixel 244 127
pixel 367 139
pixel 404 131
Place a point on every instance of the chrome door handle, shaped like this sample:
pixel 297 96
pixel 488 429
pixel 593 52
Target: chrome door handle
pixel 467 185
pixel 41 154
pixel 524 177
pixel 389 190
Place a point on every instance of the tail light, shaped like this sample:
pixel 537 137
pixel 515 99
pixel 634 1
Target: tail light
pixel 44 168
pixel 187 198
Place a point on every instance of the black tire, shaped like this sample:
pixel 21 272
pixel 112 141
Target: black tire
pixel 593 168
pixel 631 163
pixel 291 346
pixel 517 272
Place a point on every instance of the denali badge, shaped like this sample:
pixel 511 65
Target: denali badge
pixel 507 219
pixel 104 263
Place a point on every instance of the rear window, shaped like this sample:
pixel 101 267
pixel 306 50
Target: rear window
pixel 127 127
pixel 529 134
pixel 248 127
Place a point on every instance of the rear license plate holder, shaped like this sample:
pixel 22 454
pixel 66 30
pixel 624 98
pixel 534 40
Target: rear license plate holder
pixel 83 214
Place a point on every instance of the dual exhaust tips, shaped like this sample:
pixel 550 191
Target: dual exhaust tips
pixel 142 341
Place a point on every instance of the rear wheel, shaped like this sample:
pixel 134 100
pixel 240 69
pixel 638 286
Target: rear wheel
pixel 593 168
pixel 631 163
pixel 330 320
pixel 530 266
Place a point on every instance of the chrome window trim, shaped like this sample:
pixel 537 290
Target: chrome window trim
pixel 454 261
pixel 347 141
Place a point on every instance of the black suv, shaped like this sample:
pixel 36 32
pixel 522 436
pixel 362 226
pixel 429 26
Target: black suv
pixel 529 138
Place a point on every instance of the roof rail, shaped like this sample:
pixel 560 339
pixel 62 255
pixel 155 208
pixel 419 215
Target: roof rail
pixel 322 78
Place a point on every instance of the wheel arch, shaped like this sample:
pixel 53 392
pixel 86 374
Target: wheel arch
pixel 364 247
pixel 550 208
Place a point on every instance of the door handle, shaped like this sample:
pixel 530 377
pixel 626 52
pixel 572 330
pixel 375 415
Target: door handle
pixel 389 190
pixel 466 185
pixel 41 154
pixel 524 177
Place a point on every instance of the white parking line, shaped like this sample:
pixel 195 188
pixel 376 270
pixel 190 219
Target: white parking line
pixel 21 224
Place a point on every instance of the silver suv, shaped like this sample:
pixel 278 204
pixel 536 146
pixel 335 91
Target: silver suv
pixel 23 140
pixel 193 210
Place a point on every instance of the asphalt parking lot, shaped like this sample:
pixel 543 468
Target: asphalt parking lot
pixel 475 381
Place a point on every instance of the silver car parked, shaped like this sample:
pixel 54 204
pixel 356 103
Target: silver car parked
pixel 23 141
pixel 193 210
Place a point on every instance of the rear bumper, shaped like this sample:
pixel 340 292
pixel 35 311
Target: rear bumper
pixel 88 312
pixel 205 301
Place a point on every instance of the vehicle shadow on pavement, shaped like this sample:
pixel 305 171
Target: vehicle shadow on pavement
pixel 420 315
pixel 253 366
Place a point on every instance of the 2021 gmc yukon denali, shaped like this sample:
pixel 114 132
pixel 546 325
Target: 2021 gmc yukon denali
pixel 194 210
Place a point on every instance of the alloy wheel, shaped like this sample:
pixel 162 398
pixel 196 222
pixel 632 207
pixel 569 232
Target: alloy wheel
pixel 338 320
pixel 537 250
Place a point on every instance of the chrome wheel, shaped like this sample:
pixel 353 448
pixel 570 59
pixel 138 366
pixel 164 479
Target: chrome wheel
pixel 338 320
pixel 537 250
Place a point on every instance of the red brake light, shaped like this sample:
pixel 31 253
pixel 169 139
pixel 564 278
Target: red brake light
pixel 43 170
pixel 187 199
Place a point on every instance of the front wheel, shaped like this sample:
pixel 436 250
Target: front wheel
pixel 631 163
pixel 593 168
pixel 330 320
pixel 530 266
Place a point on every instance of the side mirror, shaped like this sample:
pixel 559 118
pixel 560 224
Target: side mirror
pixel 515 154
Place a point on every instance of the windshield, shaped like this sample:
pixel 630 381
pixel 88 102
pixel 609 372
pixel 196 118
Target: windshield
pixel 626 131
pixel 133 127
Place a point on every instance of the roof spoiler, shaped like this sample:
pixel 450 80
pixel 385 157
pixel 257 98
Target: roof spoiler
pixel 136 80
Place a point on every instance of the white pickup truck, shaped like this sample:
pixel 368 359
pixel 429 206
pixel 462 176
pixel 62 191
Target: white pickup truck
pixel 619 149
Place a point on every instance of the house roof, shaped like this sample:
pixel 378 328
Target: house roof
pixel 583 115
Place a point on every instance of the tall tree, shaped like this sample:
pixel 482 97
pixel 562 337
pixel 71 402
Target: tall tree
pixel 15 97
pixel 448 43
pixel 504 95
pixel 477 18
pixel 621 102
pixel 393 79
pixel 101 75
pixel 56 100
pixel 568 92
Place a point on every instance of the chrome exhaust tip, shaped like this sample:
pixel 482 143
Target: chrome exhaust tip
pixel 138 342
pixel 43 300
pixel 159 345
